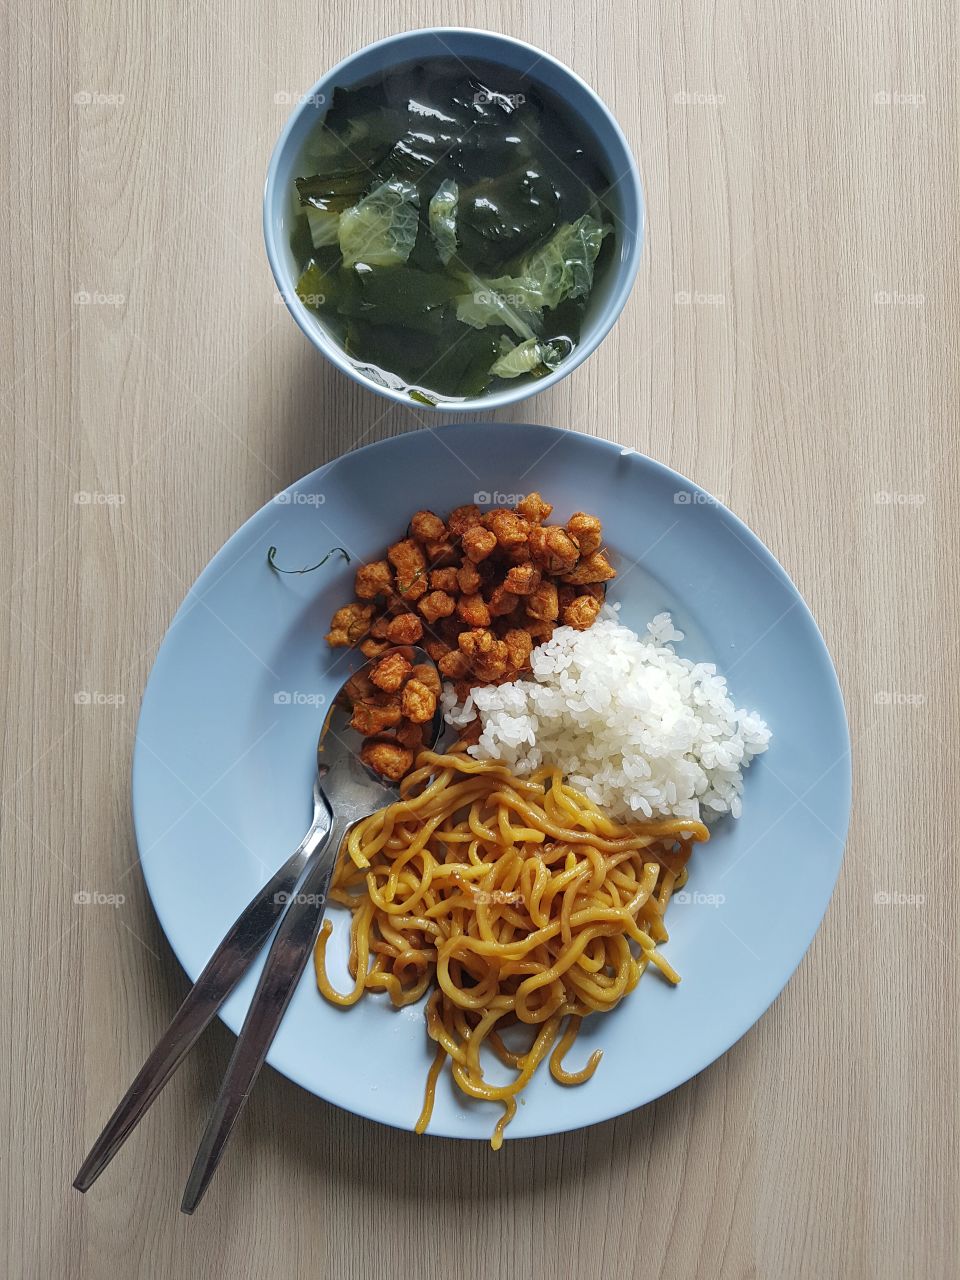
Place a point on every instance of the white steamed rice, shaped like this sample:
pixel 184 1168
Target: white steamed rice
pixel 635 727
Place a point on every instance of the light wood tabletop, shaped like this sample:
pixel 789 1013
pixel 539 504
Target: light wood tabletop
pixel 791 344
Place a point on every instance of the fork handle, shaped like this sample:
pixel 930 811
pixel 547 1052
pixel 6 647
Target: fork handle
pixel 286 961
pixel 221 974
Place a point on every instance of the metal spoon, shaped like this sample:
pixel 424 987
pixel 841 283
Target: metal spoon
pixel 353 792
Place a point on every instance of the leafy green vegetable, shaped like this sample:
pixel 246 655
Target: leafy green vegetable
pixel 528 357
pixel 463 368
pixel 502 217
pixel 491 304
pixel 424 256
pixel 390 347
pixel 559 269
pixel 443 219
pixel 323 199
pixel 381 229
pixel 520 291
pixel 400 295
pixel 460 367
pixel 356 145
pixel 563 267
pixel 324 226
pixel 312 285
pixel 334 191
pixel 325 286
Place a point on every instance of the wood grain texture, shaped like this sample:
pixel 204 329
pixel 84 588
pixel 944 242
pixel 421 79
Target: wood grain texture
pixel 800 166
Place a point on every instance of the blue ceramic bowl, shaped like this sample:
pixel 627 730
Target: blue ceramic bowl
pixel 612 151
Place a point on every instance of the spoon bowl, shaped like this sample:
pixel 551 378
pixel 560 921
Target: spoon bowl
pixel 338 739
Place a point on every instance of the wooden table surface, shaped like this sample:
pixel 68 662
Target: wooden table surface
pixel 791 345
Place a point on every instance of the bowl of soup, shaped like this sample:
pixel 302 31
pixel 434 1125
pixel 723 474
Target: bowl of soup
pixel 453 218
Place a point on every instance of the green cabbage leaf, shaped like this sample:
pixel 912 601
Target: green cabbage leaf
pixel 381 229
pixel 529 357
pixel 324 226
pixel 562 267
pixel 443 219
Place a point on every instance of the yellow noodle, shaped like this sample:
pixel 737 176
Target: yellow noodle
pixel 432 1077
pixel 509 1111
pixel 516 902
pixel 560 1052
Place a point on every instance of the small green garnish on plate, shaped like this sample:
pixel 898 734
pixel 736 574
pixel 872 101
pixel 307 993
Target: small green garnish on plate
pixel 271 560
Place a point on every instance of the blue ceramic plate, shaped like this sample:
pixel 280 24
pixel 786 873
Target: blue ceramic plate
pixel 225 751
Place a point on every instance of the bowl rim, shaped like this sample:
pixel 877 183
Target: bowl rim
pixel 628 268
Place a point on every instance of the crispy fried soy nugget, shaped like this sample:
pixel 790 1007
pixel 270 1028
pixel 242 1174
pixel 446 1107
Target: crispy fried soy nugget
pixel 410 564
pixel 473 610
pixel 373 717
pixel 388 757
pixel 581 612
pixel 349 624
pixel 595 590
pixel 478 543
pixel 522 579
pixel 591 569
pixel 519 554
pixel 410 735
pixel 476 642
pixel 510 529
pixel 438 604
pixel 553 549
pixel 390 673
pixel 461 519
pixel 489 657
pixel 436 648
pixel 371 648
pixel 494 666
pixel 442 553
pixel 372 580
pixel 502 602
pixel 453 664
pixel 418 703
pixel 544 603
pixel 586 531
pixel 427 674
pixel 534 509
pixel 519 647
pixel 425 526
pixel 406 628
pixel 359 688
pixel 469 578
pixel 444 580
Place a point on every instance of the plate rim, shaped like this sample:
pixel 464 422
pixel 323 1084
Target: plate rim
pixel 212 570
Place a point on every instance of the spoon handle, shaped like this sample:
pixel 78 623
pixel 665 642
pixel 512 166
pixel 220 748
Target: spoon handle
pixel 286 961
pixel 221 974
